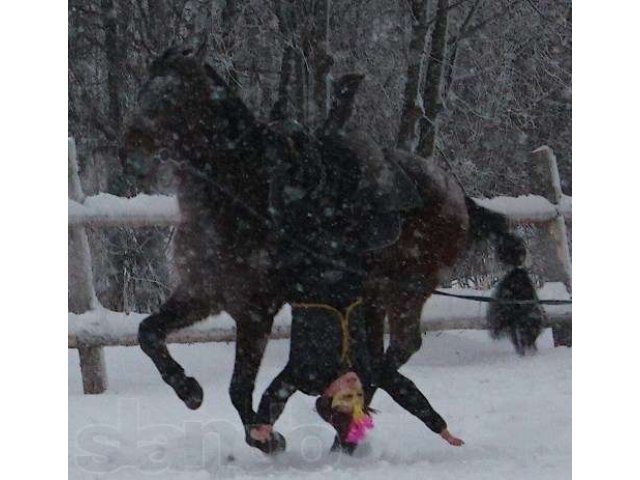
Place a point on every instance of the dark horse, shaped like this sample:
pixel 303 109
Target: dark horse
pixel 237 178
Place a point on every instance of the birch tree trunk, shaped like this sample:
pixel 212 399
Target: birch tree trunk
pixel 412 108
pixel 293 85
pixel 433 80
pixel 301 86
pixel 322 61
pixel 117 183
pixel 114 65
pixel 306 62
pixel 284 13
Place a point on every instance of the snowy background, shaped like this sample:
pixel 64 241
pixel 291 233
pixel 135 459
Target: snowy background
pixel 512 93
pixel 513 413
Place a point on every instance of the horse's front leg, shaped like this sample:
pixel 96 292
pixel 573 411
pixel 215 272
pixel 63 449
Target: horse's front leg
pixel 252 335
pixel 253 328
pixel 180 311
pixel 374 312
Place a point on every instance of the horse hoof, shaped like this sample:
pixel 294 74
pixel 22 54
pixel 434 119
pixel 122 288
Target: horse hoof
pixel 188 390
pixel 343 447
pixel 275 445
pixel 278 443
pixel 192 394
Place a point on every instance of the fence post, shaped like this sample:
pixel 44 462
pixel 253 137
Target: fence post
pixel 82 296
pixel 547 183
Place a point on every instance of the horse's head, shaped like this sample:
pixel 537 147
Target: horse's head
pixel 183 103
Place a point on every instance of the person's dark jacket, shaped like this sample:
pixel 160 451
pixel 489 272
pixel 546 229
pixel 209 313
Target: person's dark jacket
pixel 315 362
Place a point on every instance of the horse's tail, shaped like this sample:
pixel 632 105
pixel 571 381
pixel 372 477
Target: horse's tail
pixel 522 322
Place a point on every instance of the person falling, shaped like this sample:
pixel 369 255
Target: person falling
pixel 330 357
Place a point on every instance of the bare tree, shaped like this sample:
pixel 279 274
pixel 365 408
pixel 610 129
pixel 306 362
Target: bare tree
pixel 412 108
pixel 433 81
pixel 474 82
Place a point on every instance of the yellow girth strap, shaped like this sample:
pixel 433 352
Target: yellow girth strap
pixel 344 323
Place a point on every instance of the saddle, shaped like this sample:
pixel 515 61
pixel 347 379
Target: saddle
pixel 339 193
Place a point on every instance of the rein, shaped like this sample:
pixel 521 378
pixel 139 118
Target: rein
pixel 482 298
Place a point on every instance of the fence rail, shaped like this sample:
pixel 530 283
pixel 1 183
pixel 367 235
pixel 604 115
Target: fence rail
pixel 555 318
pixel 546 207
pixel 105 210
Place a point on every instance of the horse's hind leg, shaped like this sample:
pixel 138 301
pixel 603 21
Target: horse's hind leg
pixel 404 309
pixel 405 337
pixel 181 310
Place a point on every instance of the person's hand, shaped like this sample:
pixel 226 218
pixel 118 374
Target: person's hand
pixel 261 433
pixel 455 441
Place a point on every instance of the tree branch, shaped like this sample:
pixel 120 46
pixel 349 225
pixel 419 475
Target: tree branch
pixel 452 51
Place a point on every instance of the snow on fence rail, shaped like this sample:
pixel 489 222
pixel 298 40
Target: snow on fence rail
pixel 106 210
pixel 102 327
pixel 92 327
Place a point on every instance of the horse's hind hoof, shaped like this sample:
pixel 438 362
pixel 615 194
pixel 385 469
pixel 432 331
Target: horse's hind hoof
pixel 188 390
pixel 275 445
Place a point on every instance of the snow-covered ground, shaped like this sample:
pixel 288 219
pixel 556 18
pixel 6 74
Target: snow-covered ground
pixel 514 414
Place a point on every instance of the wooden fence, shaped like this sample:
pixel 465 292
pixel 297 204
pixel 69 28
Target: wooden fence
pixel 547 208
